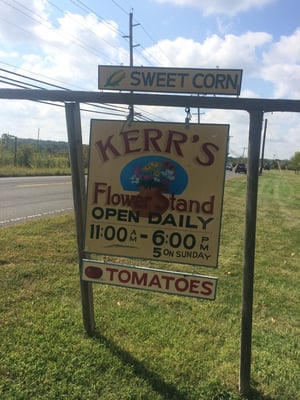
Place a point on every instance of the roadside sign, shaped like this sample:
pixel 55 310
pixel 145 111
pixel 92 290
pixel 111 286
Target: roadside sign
pixel 155 191
pixel 175 80
pixel 191 285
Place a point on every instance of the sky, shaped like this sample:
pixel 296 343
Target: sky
pixel 62 42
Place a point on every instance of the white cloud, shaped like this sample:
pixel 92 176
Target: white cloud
pixel 230 51
pixel 287 49
pixel 69 49
pixel 275 64
pixel 281 66
pixel 20 20
pixel 285 78
pixel 228 7
pixel 27 118
pixel 282 138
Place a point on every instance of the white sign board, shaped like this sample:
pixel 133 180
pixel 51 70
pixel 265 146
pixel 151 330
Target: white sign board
pixel 155 191
pixel 191 285
pixel 174 80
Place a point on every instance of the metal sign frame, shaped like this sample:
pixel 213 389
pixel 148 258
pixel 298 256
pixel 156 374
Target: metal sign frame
pixel 256 109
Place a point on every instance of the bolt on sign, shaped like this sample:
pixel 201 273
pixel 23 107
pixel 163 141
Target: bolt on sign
pixel 176 80
pixel 155 191
pixel 190 285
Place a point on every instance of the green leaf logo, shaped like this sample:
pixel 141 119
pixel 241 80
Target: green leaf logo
pixel 114 79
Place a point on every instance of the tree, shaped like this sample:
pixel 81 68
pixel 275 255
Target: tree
pixel 294 162
pixel 26 156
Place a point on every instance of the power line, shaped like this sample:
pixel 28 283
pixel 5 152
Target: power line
pixel 108 109
pixel 156 44
pixel 21 83
pixel 24 85
pixel 84 7
pixel 24 13
pixel 79 23
pixel 126 36
pixel 67 35
pixel 119 6
pixel 78 3
pixel 34 73
pixel 33 79
pixel 27 85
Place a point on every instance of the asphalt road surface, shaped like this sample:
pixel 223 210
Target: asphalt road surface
pixel 26 198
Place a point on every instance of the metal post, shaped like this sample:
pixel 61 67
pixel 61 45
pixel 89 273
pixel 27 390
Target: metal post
pixel 79 194
pixel 263 147
pixel 256 118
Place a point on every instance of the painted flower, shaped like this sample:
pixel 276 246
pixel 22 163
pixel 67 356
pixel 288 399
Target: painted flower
pixel 154 174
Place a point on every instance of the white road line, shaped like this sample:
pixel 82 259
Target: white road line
pixel 20 219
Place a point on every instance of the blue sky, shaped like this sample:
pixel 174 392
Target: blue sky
pixel 63 42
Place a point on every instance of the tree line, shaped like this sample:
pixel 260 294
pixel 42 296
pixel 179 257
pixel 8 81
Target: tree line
pixel 44 154
pixel 35 154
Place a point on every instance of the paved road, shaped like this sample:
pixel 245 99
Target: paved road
pixel 32 197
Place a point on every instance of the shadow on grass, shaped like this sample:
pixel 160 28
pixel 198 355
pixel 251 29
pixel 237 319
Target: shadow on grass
pixel 256 395
pixel 166 390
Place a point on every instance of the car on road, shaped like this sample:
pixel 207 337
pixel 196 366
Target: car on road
pixel 241 168
pixel 229 167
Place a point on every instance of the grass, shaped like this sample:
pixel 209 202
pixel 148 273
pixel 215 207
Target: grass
pixel 8 171
pixel 148 345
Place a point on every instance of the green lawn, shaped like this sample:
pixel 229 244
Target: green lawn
pixel 147 345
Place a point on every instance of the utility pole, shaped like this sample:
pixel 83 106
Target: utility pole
pixel 228 145
pixel 244 148
pixel 131 46
pixel 199 113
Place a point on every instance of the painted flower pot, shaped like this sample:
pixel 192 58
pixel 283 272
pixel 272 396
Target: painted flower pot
pixel 150 200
